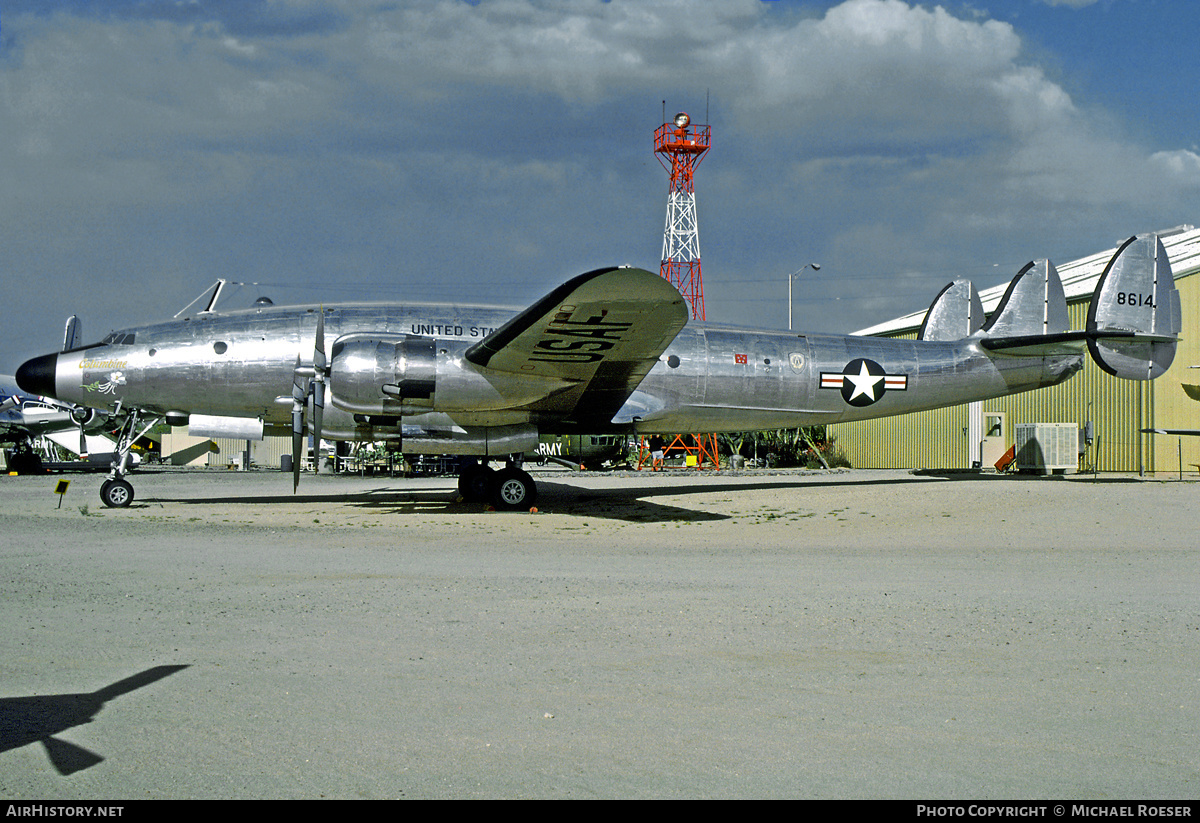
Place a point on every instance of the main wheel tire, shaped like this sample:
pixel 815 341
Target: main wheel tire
pixel 116 494
pixel 475 483
pixel 514 490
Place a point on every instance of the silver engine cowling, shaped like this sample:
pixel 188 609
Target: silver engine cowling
pixel 387 374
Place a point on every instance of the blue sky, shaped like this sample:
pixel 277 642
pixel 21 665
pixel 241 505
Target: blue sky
pixel 439 150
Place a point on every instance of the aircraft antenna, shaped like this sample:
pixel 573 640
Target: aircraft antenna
pixel 213 293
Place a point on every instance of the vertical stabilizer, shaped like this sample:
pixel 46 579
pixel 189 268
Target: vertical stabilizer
pixel 955 313
pixel 73 333
pixel 1034 304
pixel 1134 302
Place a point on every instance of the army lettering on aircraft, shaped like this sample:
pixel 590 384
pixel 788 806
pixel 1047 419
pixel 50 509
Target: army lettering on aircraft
pixel 597 335
pixel 863 382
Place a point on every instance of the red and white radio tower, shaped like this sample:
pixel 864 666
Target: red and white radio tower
pixel 680 147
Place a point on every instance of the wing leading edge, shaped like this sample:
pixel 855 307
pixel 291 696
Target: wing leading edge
pixel 598 334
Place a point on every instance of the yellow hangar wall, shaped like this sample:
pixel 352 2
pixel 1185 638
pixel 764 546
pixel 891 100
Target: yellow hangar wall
pixel 1117 408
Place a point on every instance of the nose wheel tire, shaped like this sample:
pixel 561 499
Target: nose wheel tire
pixel 116 494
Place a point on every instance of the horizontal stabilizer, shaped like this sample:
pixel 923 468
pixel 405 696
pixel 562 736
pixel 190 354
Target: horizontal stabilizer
pixel 1071 342
pixel 1136 296
pixel 956 312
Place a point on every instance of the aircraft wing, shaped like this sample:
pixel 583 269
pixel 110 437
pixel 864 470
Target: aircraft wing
pixel 41 424
pixel 595 337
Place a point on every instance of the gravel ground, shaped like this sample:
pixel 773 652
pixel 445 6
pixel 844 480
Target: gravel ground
pixel 847 635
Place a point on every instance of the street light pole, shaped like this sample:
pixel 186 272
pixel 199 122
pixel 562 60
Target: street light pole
pixel 814 267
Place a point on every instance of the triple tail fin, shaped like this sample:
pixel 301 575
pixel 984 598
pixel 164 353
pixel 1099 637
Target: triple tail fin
pixel 1133 322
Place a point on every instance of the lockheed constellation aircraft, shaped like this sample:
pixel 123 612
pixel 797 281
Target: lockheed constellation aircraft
pixel 609 351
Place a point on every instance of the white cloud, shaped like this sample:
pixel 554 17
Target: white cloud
pixel 1182 164
pixel 510 141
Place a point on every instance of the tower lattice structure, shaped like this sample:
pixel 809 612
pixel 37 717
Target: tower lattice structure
pixel 680 146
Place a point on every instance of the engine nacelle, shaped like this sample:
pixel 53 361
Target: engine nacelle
pixel 383 373
pixel 88 419
pixel 476 440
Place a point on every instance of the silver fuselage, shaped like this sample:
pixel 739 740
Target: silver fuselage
pixel 709 379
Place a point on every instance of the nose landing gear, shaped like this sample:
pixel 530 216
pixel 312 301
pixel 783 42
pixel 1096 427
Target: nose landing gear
pixel 116 492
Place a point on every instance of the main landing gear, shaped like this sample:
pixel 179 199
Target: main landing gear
pixel 508 489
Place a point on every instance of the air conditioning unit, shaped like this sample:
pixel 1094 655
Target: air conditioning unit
pixel 1047 448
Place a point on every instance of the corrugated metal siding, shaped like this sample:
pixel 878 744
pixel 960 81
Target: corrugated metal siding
pixel 266 453
pixel 1172 406
pixel 1117 408
pixel 923 440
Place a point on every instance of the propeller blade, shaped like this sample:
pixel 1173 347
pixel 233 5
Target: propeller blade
pixel 318 418
pixel 319 348
pixel 318 389
pixel 299 392
pixel 297 444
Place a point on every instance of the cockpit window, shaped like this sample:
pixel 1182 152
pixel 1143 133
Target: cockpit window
pixel 119 338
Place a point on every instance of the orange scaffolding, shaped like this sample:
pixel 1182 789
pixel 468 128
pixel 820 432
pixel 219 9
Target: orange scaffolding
pixel 699 452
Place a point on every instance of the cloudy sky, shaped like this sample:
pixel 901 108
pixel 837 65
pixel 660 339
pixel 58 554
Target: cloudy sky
pixel 338 150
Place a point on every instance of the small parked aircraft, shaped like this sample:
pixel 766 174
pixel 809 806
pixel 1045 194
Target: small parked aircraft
pixel 24 418
pixel 609 351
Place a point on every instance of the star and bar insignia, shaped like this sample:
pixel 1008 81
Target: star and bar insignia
pixel 863 382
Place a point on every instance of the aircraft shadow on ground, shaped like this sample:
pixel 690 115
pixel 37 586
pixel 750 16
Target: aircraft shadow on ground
pixel 25 720
pixel 633 503
pixel 554 498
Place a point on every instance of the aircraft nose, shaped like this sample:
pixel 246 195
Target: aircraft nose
pixel 36 376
